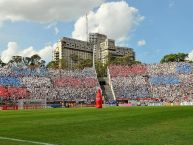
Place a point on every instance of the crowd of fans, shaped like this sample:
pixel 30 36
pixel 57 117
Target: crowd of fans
pixel 125 71
pixel 153 83
pixel 168 82
pixel 41 83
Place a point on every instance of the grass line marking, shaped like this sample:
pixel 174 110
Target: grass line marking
pixel 26 141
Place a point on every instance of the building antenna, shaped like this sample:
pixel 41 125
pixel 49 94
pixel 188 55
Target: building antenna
pixel 86 27
pixel 88 41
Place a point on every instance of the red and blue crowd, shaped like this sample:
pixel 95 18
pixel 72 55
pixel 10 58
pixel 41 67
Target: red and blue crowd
pixel 41 83
pixel 165 83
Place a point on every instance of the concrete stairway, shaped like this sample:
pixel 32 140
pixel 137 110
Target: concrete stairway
pixel 108 93
pixel 106 90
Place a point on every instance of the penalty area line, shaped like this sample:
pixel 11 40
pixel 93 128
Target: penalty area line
pixel 26 141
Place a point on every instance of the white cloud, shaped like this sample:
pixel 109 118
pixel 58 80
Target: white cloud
pixel 141 43
pixel 51 25
pixel 56 30
pixel 190 56
pixel 12 50
pixel 45 10
pixel 115 19
pixel 171 4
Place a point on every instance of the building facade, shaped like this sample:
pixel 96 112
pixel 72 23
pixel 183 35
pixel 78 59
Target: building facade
pixel 98 48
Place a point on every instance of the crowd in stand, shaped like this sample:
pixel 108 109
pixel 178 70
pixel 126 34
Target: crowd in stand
pixel 42 83
pixel 168 82
pixel 125 71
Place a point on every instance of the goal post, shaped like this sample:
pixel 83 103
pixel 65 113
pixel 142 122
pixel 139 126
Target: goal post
pixel 31 103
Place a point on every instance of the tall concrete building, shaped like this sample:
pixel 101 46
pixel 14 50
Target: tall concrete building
pixel 98 47
pixel 71 50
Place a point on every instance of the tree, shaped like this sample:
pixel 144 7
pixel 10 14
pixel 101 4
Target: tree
pixel 136 62
pixel 53 65
pixel 74 57
pixel 63 64
pixel 42 63
pixel 10 61
pixel 110 58
pixel 17 59
pixel 101 69
pixel 2 64
pixel 84 63
pixel 27 60
pixel 35 59
pixel 127 59
pixel 178 57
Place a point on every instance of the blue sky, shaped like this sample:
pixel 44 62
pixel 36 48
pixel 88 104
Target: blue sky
pixel 165 27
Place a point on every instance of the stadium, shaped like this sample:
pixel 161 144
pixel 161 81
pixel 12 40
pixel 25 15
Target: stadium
pixel 96 72
pixel 165 88
pixel 136 85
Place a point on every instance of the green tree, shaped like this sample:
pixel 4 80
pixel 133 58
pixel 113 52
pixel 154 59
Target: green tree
pixel 27 60
pixel 17 59
pixel 178 57
pixel 101 69
pixel 2 64
pixel 127 59
pixel 136 62
pixel 10 61
pixel 35 60
pixel 63 64
pixel 84 63
pixel 42 63
pixel 53 65
pixel 74 58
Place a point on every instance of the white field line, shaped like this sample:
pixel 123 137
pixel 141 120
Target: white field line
pixel 26 141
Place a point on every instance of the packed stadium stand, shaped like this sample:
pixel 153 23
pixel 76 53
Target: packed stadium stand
pixel 19 85
pixel 153 83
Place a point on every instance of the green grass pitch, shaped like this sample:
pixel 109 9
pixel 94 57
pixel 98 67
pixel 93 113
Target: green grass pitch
pixel 107 126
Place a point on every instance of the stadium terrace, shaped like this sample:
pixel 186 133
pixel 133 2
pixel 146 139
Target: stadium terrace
pixel 141 84
pixel 155 84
